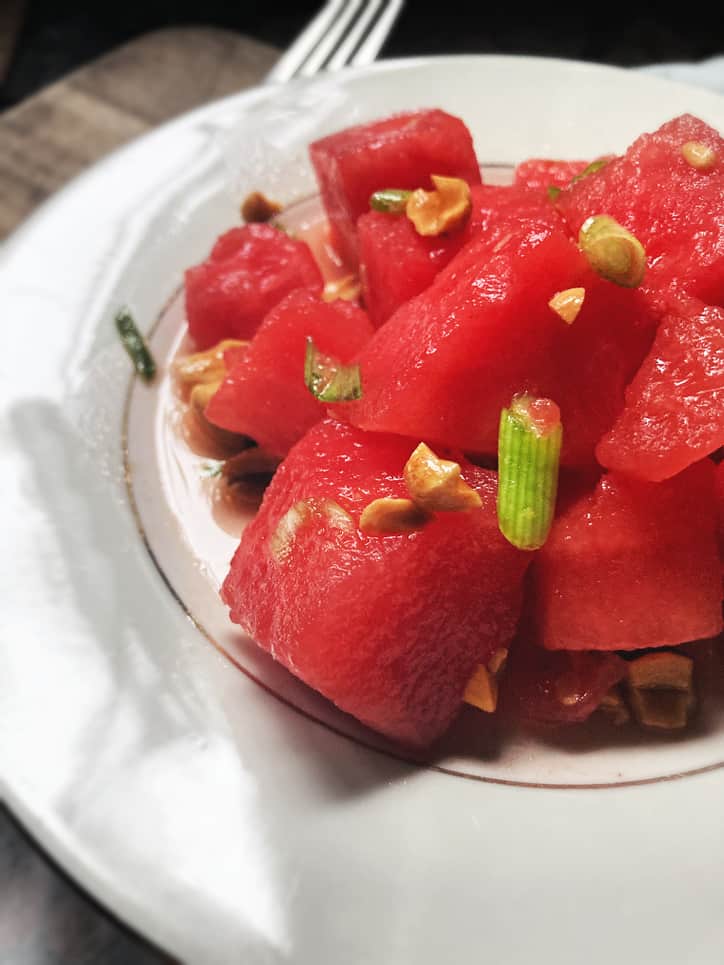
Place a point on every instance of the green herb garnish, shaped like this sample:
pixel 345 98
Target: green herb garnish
pixel 390 200
pixel 135 345
pixel 529 448
pixel 612 251
pixel 591 169
pixel 329 380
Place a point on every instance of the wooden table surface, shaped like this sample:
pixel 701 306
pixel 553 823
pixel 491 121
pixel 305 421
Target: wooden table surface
pixel 55 134
pixel 44 142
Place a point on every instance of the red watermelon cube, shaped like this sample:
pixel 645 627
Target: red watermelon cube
pixel 539 174
pixel 447 362
pixel 401 151
pixel 675 209
pixel 249 270
pixel 674 411
pixel 596 358
pixel 631 565
pixel 555 687
pixel 501 209
pixel 264 395
pixel 396 263
pixel 390 628
pixel 719 489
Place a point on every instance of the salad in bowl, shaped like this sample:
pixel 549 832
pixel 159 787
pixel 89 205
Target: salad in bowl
pixel 478 424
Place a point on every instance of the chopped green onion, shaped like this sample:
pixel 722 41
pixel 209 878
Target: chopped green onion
pixel 529 447
pixel 329 380
pixel 390 200
pixel 612 251
pixel 135 345
pixel 553 192
pixel 591 169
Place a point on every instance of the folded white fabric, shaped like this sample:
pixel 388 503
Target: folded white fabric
pixel 706 73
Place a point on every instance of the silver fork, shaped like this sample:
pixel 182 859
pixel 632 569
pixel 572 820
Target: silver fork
pixel 343 33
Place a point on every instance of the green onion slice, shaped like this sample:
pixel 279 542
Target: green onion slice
pixel 390 200
pixel 135 345
pixel 329 380
pixel 591 169
pixel 529 448
pixel 612 251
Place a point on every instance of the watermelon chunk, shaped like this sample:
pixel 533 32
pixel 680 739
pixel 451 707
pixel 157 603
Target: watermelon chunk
pixel 674 412
pixel 719 489
pixel 424 373
pixel 249 270
pixel 555 687
pixel 632 565
pixel 445 364
pixel 539 174
pixel 401 151
pixel 675 210
pixel 396 263
pixel 499 210
pixel 390 628
pixel 264 395
pixel 596 359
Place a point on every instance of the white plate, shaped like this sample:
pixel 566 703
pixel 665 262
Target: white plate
pixel 228 823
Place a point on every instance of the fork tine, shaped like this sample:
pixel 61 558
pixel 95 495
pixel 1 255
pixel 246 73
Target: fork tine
pixel 290 62
pixel 343 32
pixel 373 42
pixel 355 35
pixel 334 36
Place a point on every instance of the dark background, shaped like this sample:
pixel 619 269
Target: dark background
pixel 58 36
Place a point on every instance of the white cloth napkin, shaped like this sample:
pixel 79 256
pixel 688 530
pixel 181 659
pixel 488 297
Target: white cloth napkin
pixel 706 73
